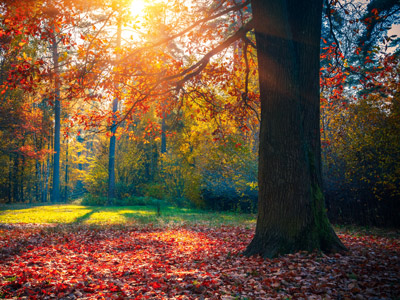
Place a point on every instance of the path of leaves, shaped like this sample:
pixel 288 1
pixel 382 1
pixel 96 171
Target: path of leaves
pixel 67 262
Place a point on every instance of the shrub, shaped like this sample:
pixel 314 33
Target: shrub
pixel 92 200
pixel 153 190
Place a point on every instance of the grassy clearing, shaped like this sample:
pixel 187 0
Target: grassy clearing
pixel 79 214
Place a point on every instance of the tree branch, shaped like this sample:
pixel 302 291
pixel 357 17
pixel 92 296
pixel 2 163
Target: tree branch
pixel 201 21
pixel 337 48
pixel 201 64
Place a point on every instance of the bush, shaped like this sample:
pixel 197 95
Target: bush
pixel 361 160
pixel 221 193
pixel 134 201
pixel 92 200
pixel 124 190
pixel 153 190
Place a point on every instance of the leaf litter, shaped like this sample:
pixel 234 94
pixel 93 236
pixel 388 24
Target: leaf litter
pixel 185 262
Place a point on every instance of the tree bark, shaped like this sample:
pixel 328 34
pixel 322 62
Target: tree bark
pixel 37 181
pixel 66 175
pixel 57 121
pixel 15 178
pixel 291 211
pixel 163 133
pixel 9 193
pixel 46 169
pixel 22 181
pixel 111 155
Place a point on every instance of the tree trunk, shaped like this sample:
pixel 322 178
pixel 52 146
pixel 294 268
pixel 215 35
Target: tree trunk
pixel 37 181
pixel 22 179
pixel 66 178
pixel 37 172
pixel 15 178
pixel 163 133
pixel 111 157
pixel 46 169
pixel 9 193
pixel 291 211
pixel 57 122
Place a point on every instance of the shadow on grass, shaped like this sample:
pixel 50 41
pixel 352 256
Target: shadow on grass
pixel 137 217
pixel 85 217
pixel 141 216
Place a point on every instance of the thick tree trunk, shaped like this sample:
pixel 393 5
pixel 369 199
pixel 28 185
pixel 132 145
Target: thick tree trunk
pixel 291 211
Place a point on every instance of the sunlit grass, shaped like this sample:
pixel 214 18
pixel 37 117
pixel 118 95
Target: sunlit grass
pixel 79 214
pixel 43 214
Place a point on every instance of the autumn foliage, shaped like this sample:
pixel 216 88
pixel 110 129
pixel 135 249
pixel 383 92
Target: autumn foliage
pixel 359 120
pixel 177 86
pixel 164 93
pixel 189 105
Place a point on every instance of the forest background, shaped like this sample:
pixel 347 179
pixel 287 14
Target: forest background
pixel 124 107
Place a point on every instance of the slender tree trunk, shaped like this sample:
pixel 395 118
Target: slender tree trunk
pixel 155 168
pixel 57 122
pixel 37 181
pixel 10 179
pixel 163 134
pixel 42 183
pixel 291 211
pixel 79 184
pixel 37 171
pixel 46 178
pixel 22 179
pixel 111 157
pixel 29 192
pixel 66 178
pixel 15 178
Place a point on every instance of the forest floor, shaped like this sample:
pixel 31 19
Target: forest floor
pixel 174 258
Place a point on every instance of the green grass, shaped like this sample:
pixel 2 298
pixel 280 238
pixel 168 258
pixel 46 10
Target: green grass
pixel 79 214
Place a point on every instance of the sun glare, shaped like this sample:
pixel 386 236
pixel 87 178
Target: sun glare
pixel 137 6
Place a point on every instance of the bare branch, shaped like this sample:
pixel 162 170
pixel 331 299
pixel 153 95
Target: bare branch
pixel 246 91
pixel 337 48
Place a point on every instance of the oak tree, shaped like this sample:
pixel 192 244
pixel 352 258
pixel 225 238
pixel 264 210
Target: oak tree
pixel 291 210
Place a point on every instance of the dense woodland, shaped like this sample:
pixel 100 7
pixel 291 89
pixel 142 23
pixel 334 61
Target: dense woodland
pixel 120 107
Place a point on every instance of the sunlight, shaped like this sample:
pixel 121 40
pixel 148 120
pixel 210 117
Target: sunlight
pixel 137 7
pixel 105 217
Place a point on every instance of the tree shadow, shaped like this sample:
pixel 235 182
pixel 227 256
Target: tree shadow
pixel 85 217
pixel 138 217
